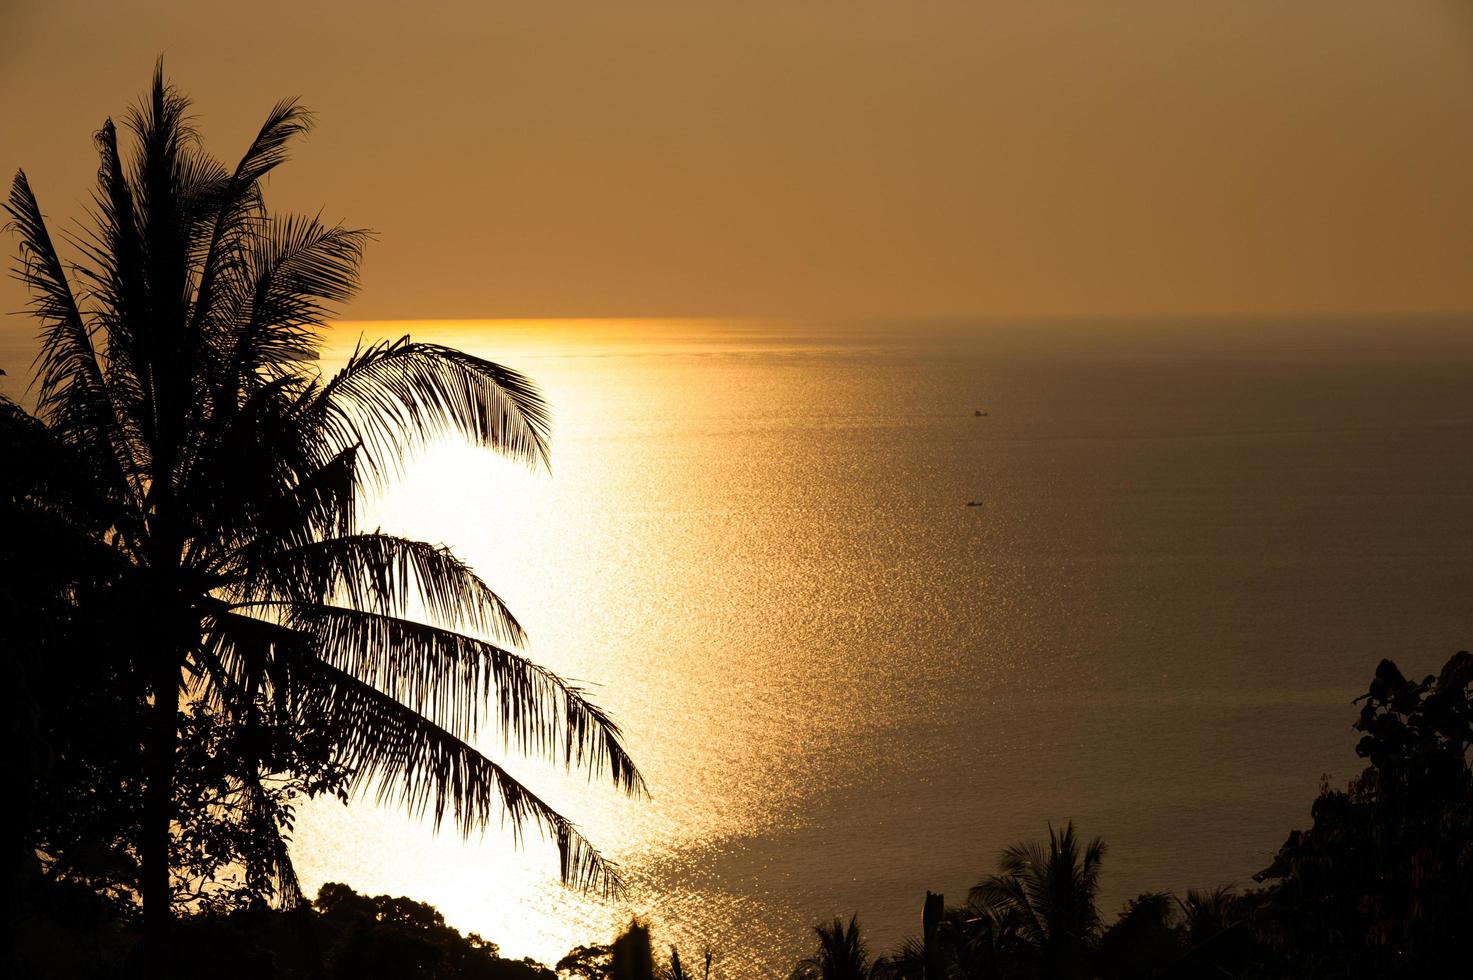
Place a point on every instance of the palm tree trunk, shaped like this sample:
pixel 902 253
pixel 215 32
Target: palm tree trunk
pixel 931 915
pixel 163 736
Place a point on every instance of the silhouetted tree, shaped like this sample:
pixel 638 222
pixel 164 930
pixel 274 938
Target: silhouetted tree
pixel 384 936
pixel 1143 941
pixel 1382 884
pixel 1046 894
pixel 73 769
pixel 588 962
pixel 841 954
pixel 629 957
pixel 189 448
pixel 1205 914
pixel 970 941
pixel 676 970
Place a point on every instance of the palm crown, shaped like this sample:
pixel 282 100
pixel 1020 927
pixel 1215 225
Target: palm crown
pixel 179 405
pixel 1046 896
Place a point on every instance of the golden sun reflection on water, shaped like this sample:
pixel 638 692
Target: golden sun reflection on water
pixel 581 557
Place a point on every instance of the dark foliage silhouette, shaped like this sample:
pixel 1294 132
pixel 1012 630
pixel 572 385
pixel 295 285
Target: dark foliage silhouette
pixel 1046 894
pixel 1385 857
pixel 995 936
pixel 1144 940
pixel 677 970
pixel 185 490
pixel 629 957
pixel 587 962
pixel 842 954
pixel 397 937
pixel 341 935
pixel 1380 886
pixel 1382 883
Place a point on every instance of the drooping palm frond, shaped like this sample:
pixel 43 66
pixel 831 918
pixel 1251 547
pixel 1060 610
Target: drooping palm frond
pixel 68 373
pixel 75 398
pixel 54 511
pixel 393 396
pixel 1013 895
pixel 409 760
pixel 446 676
pixel 374 673
pixel 387 574
pixel 269 864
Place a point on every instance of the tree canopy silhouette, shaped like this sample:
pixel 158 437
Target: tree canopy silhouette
pixel 1381 885
pixel 841 954
pixel 1048 893
pixel 187 480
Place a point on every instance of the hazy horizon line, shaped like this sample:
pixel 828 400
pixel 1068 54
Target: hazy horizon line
pixel 814 319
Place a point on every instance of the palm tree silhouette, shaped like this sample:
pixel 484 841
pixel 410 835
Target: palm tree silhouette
pixel 841 954
pixel 1206 913
pixel 181 377
pixel 1047 896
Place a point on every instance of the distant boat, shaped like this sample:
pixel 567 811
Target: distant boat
pixel 979 414
pixel 974 503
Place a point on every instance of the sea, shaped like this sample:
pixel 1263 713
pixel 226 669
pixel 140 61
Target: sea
pixel 860 637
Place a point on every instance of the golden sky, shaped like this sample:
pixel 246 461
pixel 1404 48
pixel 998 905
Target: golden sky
pixel 817 159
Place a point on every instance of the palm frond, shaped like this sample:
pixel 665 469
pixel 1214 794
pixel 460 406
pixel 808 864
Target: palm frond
pixel 74 395
pixel 386 574
pixel 1049 890
pixel 178 191
pixel 1010 895
pixel 115 250
pixel 257 482
pixel 286 121
pixel 169 183
pixel 68 363
pixel 446 676
pixel 269 862
pixel 238 210
pixel 407 759
pixel 297 270
pixel 395 396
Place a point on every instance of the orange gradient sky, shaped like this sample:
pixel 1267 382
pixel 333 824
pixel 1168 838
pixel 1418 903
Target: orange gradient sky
pixel 995 157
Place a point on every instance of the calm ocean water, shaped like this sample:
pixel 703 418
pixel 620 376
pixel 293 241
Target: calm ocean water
pixel 1193 542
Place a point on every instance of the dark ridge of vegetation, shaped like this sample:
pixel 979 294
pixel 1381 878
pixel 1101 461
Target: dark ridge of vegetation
pixel 67 934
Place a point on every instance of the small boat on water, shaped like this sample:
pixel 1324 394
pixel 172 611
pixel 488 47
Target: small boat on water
pixel 974 503
pixel 979 414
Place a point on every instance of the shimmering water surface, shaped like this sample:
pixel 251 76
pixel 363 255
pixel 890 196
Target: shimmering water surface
pixel 1193 541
